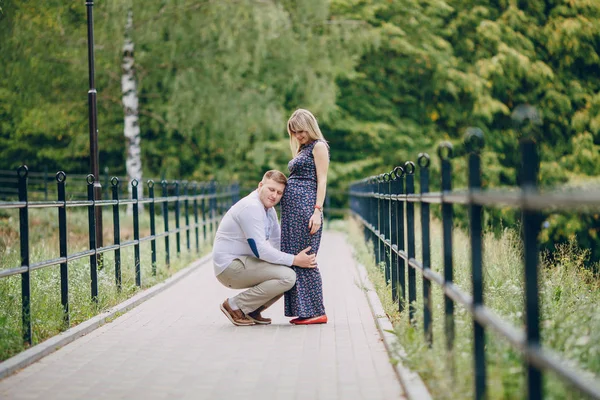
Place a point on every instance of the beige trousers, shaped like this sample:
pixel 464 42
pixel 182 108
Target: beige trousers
pixel 265 282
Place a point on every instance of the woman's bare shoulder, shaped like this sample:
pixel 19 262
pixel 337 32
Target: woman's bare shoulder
pixel 320 146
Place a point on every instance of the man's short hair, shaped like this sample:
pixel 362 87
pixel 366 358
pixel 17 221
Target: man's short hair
pixel 275 175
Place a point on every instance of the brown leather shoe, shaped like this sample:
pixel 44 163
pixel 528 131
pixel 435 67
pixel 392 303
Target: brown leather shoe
pixel 257 318
pixel 236 317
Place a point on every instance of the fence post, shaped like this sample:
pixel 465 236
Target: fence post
pixel 195 205
pixel 177 224
pixel 381 225
pixel 165 195
pixel 216 208
pixel 22 173
pixel 387 226
pixel 186 205
pixel 116 230
pixel 474 144
pixel 219 205
pixel 445 154
pixel 152 225
pixel 204 228
pixel 45 183
pixel 393 190
pixel 92 235
pixel 136 232
pixel 61 178
pixel 423 161
pixel 531 227
pixel 372 218
pixel 527 119
pixel 409 168
pixel 106 179
pixel 376 240
pixel 401 240
pixel 230 198
pixel 364 207
pixel 212 205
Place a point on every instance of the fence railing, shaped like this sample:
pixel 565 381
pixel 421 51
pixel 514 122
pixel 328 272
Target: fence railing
pixel 42 185
pixel 202 204
pixel 385 206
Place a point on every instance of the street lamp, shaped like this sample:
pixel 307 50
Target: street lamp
pixel 93 122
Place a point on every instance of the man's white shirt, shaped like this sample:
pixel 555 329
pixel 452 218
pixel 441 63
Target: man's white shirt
pixel 248 229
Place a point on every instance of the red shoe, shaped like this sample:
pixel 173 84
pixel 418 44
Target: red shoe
pixel 293 321
pixel 322 319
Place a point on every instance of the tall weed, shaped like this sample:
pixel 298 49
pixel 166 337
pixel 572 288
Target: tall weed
pixel 570 321
pixel 46 309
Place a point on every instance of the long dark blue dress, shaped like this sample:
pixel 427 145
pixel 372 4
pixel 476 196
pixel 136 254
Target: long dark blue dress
pixel 305 299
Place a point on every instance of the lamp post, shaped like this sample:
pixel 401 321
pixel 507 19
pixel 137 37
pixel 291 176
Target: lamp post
pixel 93 122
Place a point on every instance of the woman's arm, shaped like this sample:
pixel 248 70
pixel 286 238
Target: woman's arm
pixel 321 156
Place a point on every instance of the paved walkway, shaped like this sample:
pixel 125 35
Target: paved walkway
pixel 179 345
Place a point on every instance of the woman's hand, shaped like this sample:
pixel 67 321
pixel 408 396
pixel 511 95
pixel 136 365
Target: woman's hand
pixel 315 222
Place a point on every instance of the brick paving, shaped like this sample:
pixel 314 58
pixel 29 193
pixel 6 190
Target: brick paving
pixel 178 345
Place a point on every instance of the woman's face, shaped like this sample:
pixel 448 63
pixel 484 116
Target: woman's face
pixel 301 136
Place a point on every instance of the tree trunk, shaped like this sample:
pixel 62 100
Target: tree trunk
pixel 133 162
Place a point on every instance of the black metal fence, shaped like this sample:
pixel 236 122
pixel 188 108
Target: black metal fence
pixel 200 204
pixel 42 185
pixel 385 205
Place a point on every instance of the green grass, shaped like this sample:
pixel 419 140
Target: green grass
pixel 46 309
pixel 570 321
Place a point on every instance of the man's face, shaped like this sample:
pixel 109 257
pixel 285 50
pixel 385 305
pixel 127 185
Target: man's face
pixel 270 192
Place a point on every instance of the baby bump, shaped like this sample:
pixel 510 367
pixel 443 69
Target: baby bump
pixel 301 191
pixel 297 206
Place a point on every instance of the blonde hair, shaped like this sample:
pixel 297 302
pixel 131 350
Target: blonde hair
pixel 303 120
pixel 275 175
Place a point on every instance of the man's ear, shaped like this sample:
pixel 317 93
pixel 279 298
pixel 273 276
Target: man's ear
pixel 260 184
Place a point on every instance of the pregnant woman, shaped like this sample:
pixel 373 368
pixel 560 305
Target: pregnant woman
pixel 302 214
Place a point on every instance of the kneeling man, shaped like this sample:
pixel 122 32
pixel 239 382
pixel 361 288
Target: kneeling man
pixel 246 253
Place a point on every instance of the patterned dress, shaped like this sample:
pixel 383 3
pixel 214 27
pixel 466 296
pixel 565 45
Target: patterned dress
pixel 305 299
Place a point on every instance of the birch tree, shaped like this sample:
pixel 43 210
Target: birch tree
pixel 133 162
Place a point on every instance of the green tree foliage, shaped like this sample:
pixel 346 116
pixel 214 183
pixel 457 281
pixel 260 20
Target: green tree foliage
pixel 44 84
pixel 386 79
pixel 217 81
pixel 442 66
